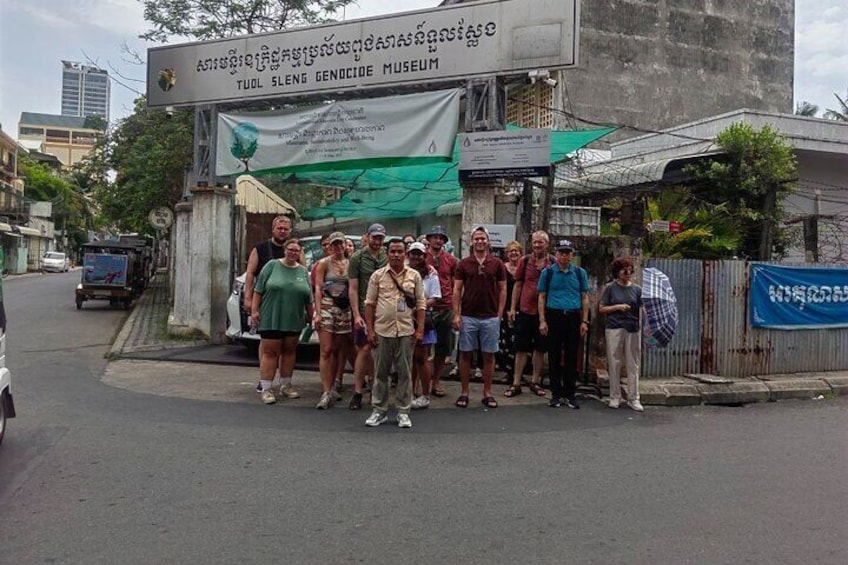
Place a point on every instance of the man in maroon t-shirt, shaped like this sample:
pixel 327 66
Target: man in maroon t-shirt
pixel 479 298
pixel 524 314
pixel 445 264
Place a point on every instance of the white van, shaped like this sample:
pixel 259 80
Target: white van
pixel 7 405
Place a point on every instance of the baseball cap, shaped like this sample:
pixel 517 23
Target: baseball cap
pixel 481 228
pixel 336 236
pixel 417 246
pixel 564 245
pixel 377 229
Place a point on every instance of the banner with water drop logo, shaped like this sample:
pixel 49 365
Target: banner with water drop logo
pixel 414 129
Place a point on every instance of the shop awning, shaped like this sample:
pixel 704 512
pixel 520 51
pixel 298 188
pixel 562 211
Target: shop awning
pixel 611 175
pixel 5 227
pixel 23 230
pixel 259 199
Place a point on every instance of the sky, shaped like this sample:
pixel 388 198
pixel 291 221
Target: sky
pixel 36 35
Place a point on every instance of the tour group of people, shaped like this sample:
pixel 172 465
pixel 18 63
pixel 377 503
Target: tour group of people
pixel 392 310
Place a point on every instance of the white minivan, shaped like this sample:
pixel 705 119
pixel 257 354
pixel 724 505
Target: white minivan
pixel 7 405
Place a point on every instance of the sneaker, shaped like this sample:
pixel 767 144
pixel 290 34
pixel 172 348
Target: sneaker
pixel 376 418
pixel 454 372
pixel 478 374
pixel 404 421
pixel 289 392
pixel 636 405
pixel 420 402
pixel 614 402
pixel 555 403
pixel 268 396
pixel 258 387
pixel 325 402
pixel 356 401
pixel 335 394
pixel 571 403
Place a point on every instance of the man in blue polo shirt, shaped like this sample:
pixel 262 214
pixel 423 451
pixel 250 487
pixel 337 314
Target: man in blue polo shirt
pixel 564 318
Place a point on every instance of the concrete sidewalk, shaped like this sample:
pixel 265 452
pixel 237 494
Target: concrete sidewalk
pixel 146 359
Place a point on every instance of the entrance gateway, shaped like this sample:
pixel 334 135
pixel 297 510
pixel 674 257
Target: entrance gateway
pixel 476 44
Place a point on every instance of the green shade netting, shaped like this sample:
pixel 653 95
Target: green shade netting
pixel 406 192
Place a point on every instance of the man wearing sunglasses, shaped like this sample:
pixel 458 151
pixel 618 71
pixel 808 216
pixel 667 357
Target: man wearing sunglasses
pixel 479 298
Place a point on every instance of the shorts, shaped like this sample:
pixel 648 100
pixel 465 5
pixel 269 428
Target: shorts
pixel 335 320
pixel 429 338
pixel 484 332
pixel 527 336
pixel 276 334
pixel 360 337
pixel 443 326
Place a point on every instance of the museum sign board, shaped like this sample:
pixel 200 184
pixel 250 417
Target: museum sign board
pixel 440 45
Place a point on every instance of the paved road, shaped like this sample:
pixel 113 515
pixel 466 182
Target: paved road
pixel 92 473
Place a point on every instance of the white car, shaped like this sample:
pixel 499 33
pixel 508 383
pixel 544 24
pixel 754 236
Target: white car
pixel 7 404
pixel 56 262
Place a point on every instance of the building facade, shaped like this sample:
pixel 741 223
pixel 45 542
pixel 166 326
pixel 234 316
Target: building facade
pixel 85 90
pixel 67 138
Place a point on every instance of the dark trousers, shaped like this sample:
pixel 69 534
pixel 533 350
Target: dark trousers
pixel 563 336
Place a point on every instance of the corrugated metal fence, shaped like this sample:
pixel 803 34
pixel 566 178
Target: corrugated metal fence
pixel 713 335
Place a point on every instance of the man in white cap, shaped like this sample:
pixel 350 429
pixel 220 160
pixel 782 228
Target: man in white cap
pixel 362 265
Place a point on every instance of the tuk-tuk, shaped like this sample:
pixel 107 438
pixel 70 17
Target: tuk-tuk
pixel 111 270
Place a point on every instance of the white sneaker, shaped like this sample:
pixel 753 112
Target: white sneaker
pixel 420 402
pixel 376 418
pixel 325 402
pixel 404 421
pixel 289 392
pixel 635 405
pixel 268 396
pixel 614 402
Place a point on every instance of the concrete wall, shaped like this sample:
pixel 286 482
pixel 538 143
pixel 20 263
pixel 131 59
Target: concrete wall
pixel 658 63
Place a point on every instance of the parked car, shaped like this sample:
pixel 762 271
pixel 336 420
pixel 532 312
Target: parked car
pixel 56 262
pixel 7 404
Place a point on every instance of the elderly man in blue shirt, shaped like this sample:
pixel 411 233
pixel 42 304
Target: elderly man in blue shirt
pixel 564 318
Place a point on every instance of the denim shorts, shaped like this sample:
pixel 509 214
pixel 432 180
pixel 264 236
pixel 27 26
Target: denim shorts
pixel 480 333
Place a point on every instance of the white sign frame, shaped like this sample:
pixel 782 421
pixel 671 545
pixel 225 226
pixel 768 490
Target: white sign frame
pixel 442 45
pixel 500 234
pixel 500 154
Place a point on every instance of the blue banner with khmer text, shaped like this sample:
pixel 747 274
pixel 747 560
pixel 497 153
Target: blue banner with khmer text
pixel 794 298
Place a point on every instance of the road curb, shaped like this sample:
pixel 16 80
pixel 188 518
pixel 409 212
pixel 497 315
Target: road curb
pixel 796 388
pixel 838 385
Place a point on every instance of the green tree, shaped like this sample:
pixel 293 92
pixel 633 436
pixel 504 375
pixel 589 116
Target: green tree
pixel 71 210
pixel 149 153
pixel 754 174
pixel 805 108
pixel 213 19
pixel 840 114
pixel 709 232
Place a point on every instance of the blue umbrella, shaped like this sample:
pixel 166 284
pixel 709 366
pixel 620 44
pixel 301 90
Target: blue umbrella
pixel 660 308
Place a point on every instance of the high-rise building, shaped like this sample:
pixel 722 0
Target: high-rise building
pixel 85 90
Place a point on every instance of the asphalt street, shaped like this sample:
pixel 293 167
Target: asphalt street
pixel 95 473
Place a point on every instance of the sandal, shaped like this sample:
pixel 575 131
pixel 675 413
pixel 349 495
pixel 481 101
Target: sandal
pixel 513 390
pixel 462 401
pixel 536 388
pixel 438 392
pixel 490 402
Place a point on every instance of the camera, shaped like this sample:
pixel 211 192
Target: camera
pixel 169 112
pixel 541 76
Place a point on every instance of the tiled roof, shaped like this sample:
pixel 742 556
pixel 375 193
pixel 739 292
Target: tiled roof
pixel 36 119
